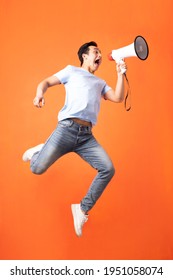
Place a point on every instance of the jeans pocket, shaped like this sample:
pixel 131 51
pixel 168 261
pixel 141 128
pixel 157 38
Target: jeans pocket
pixel 65 123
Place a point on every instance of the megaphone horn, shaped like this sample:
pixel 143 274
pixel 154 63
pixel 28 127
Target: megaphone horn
pixel 138 48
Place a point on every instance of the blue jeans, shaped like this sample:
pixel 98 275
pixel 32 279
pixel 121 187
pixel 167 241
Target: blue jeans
pixel 72 137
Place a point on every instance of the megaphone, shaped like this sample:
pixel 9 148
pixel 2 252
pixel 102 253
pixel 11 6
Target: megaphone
pixel 138 48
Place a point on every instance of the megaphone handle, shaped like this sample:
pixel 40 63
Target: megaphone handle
pixel 122 69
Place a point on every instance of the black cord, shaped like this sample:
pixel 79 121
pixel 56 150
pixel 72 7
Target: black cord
pixel 127 94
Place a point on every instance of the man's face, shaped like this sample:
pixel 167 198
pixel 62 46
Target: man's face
pixel 93 59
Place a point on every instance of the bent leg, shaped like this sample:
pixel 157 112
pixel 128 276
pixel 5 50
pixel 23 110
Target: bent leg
pixel 96 156
pixel 59 143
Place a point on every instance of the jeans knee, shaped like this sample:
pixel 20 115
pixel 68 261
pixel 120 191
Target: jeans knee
pixel 109 171
pixel 112 171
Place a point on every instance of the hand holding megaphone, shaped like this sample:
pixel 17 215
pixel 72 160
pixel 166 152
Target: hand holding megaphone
pixel 138 48
pixel 121 66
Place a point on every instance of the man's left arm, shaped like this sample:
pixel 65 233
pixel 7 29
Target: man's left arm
pixel 117 95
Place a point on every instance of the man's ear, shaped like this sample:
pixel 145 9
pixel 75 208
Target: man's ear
pixel 84 55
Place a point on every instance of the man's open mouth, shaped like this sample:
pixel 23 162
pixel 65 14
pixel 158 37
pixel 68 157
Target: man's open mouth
pixel 97 61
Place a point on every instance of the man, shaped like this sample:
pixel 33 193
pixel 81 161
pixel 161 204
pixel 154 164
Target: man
pixel 75 121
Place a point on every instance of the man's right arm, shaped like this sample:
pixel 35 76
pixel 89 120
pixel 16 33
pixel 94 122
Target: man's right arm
pixel 39 100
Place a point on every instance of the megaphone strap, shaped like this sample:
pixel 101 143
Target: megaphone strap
pixel 128 95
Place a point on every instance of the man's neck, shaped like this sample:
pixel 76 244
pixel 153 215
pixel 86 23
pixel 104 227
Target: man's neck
pixel 87 68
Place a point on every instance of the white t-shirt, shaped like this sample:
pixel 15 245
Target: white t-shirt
pixel 83 94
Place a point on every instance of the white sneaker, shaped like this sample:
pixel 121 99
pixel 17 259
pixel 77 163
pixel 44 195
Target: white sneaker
pixel 79 218
pixel 29 153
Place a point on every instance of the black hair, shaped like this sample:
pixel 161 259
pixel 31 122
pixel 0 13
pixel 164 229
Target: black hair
pixel 85 49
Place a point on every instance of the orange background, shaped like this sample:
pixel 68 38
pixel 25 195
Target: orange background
pixel 133 218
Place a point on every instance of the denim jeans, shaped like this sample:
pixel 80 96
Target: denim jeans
pixel 72 137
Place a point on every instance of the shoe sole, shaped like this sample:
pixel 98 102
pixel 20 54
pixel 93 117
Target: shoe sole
pixel 73 208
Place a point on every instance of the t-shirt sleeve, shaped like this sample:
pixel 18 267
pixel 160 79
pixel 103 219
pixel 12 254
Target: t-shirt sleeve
pixel 105 88
pixel 64 74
